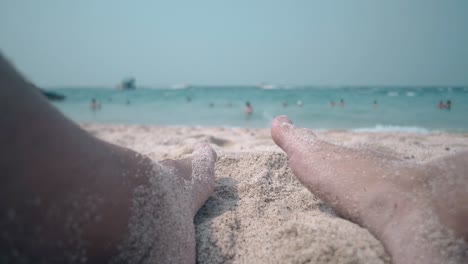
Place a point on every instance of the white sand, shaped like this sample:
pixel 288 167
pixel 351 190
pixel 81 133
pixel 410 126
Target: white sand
pixel 260 213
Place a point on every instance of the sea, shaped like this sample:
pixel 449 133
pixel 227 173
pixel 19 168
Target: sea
pixel 373 109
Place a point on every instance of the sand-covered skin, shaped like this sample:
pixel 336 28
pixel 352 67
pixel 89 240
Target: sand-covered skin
pixel 259 212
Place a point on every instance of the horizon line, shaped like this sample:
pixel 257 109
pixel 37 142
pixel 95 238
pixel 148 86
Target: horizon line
pixel 252 86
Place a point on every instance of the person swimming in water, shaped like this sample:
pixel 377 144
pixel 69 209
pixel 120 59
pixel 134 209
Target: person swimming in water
pixel 448 105
pixel 248 110
pixel 342 104
pixel 331 103
pixel 441 105
pixel 93 105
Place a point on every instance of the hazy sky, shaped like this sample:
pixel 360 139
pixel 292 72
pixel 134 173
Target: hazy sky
pixel 292 42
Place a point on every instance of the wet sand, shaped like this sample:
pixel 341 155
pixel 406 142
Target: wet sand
pixel 259 212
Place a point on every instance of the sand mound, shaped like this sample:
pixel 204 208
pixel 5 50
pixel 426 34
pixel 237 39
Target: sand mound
pixel 261 213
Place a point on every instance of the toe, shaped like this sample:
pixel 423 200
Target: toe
pixel 195 173
pixel 281 130
pixel 203 166
pixel 303 149
pixel 335 174
pixel 206 151
pixel 294 141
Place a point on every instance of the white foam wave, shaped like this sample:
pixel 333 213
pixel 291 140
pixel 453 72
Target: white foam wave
pixel 390 128
pixel 180 86
pixel 267 86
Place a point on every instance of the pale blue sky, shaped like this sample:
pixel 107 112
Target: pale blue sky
pixel 291 42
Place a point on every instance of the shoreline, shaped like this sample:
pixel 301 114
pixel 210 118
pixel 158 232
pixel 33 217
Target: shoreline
pixel 259 212
pixel 391 128
pixel 174 141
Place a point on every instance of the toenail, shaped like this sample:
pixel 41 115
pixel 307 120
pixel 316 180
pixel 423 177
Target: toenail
pixel 283 119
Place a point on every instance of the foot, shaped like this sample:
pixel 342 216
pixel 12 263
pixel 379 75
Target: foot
pixel 160 227
pixel 69 197
pixel 417 210
pixel 110 205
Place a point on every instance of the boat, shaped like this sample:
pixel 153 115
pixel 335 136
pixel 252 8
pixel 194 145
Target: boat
pixel 266 86
pixel 53 96
pixel 127 84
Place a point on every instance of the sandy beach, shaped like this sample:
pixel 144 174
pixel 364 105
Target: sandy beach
pixel 259 212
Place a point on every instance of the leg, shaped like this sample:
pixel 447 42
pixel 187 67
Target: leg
pixel 417 211
pixel 69 197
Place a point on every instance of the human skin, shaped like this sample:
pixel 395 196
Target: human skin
pixel 69 197
pixel 66 196
pixel 418 211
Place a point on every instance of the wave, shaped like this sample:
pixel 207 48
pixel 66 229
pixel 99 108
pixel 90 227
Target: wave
pixel 180 86
pixel 268 86
pixel 390 128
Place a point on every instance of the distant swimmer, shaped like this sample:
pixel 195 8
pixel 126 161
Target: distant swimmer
pixel 248 108
pixel 441 105
pixel 299 103
pixel 376 104
pixel 285 104
pixel 448 105
pixel 93 105
pixel 331 103
pixel 341 102
pixel 211 104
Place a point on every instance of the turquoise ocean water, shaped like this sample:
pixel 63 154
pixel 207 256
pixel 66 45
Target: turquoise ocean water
pixel 412 109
